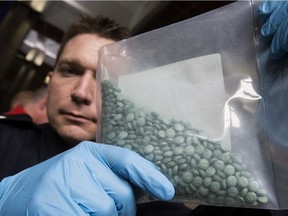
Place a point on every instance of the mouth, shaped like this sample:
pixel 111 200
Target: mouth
pixel 77 117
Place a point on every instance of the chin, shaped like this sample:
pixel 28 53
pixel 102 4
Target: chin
pixel 76 135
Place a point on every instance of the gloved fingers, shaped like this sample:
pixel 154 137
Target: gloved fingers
pixel 279 46
pixel 275 19
pixel 137 170
pixel 36 207
pixel 283 32
pixel 99 191
pixel 26 206
pixel 267 7
pixel 264 11
pixel 120 191
pixel 31 193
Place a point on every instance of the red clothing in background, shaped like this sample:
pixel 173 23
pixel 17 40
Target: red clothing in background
pixel 15 110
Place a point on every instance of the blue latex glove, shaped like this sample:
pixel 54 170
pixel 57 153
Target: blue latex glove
pixel 89 179
pixel 275 16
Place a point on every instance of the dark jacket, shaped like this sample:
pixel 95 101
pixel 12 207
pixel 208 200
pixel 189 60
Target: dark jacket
pixel 24 144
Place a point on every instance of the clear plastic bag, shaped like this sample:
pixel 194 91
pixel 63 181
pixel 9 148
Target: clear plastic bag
pixel 187 98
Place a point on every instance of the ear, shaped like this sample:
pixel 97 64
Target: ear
pixel 48 77
pixel 50 73
pixel 43 104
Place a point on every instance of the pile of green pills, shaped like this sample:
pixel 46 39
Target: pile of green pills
pixel 200 169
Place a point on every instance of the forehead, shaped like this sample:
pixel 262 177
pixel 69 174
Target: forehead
pixel 85 48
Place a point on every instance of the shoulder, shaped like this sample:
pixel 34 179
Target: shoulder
pixel 24 144
pixel 18 120
pixel 17 126
pixel 15 129
pixel 21 127
pixel 19 130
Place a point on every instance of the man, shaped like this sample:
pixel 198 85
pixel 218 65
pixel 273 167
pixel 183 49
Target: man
pixel 85 178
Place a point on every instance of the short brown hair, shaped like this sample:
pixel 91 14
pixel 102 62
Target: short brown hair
pixel 100 25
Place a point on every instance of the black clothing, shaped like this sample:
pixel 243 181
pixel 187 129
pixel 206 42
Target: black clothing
pixel 24 144
pixel 163 209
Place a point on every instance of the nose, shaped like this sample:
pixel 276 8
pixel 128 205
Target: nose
pixel 84 90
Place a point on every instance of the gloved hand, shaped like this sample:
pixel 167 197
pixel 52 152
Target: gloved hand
pixel 89 179
pixel 275 16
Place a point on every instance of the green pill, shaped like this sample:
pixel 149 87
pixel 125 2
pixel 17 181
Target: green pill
pixel 207 181
pixel 118 117
pixel 232 191
pixel 161 133
pixel 203 191
pixel 148 149
pixel 130 117
pixel 242 182
pixel 253 186
pixel 231 181
pixel 210 171
pixel 122 134
pixel 215 186
pixel 189 150
pixel 199 149
pixel 203 164
pixel 187 176
pixel 170 133
pixel 263 199
pixel 219 165
pixel 140 121
pixel 229 170
pixel 178 127
pixel 250 197
pixel 111 135
pixel 179 140
pixel 197 181
pixel 178 150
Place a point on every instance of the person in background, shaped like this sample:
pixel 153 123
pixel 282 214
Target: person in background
pixel 18 101
pixel 34 105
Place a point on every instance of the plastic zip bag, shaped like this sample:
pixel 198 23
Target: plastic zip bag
pixel 186 97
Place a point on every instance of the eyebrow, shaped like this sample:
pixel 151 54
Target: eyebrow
pixel 73 63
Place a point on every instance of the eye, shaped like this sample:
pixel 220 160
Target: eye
pixel 68 70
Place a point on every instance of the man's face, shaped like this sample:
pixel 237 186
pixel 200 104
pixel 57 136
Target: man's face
pixel 71 103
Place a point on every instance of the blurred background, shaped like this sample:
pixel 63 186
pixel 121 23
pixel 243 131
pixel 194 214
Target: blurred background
pixel 31 31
